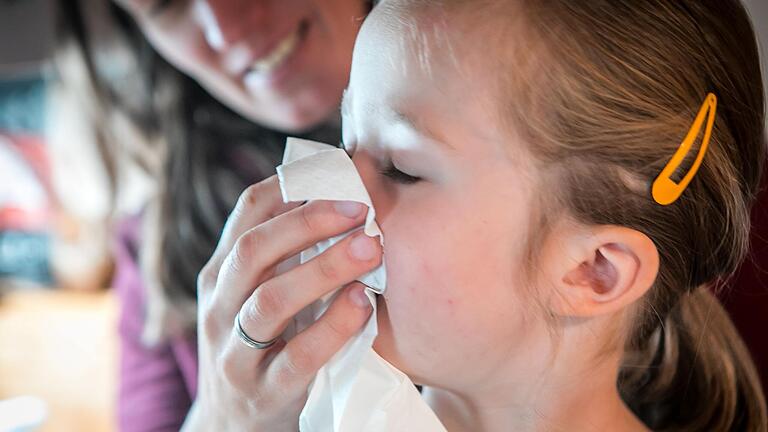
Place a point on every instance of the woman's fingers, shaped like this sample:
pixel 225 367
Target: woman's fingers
pixel 261 233
pixel 294 367
pixel 257 204
pixel 268 310
pixel 257 252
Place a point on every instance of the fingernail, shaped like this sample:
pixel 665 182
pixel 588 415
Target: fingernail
pixel 363 247
pixel 358 297
pixel 349 209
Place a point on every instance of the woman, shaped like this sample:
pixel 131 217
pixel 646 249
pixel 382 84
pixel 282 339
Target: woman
pixel 281 67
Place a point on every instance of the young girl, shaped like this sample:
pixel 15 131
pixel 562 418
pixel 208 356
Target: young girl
pixel 534 281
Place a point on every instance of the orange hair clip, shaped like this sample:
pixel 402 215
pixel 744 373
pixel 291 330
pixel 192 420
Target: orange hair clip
pixel 664 190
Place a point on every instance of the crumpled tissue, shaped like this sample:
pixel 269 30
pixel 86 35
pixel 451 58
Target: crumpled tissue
pixel 356 390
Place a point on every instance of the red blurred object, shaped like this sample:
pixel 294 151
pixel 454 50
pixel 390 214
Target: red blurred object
pixel 25 162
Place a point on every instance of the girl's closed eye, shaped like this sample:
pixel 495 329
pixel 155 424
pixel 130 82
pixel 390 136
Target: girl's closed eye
pixel 394 174
pixel 390 170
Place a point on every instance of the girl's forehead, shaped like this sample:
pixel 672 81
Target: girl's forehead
pixel 412 45
pixel 426 59
pixel 442 36
pixel 401 79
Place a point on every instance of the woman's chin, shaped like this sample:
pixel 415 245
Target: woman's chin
pixel 293 119
pixel 300 111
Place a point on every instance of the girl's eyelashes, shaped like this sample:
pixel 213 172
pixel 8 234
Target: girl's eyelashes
pixel 398 176
pixel 390 171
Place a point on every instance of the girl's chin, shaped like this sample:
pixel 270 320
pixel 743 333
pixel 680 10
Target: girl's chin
pixel 381 348
pixel 386 351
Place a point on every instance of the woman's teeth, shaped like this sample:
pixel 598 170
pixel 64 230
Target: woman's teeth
pixel 278 55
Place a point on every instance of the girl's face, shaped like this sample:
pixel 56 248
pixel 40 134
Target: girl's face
pixel 452 194
pixel 281 63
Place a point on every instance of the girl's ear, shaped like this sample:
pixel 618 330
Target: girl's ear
pixel 601 271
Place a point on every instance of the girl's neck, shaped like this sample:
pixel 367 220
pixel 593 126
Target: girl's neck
pixel 580 402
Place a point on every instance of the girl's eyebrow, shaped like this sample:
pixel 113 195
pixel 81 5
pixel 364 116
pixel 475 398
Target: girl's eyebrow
pixel 413 123
pixel 399 116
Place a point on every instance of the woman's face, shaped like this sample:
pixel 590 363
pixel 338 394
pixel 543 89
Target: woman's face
pixel 452 195
pixel 280 63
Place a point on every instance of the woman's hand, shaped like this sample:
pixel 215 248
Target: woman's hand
pixel 243 388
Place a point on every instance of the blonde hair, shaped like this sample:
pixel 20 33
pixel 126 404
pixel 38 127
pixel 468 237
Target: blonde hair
pixel 613 88
pixel 602 93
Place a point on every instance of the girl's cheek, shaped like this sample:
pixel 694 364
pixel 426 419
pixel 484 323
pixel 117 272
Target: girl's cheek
pixel 409 275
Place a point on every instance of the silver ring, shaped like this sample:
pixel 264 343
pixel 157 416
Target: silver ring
pixel 253 343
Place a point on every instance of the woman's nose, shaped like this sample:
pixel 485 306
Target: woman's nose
pixel 227 22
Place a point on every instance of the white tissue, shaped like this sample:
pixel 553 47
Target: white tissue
pixel 356 390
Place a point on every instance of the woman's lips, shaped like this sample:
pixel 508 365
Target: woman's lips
pixel 274 58
pixel 271 67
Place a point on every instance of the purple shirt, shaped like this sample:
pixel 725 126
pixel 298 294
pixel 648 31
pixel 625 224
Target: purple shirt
pixel 157 384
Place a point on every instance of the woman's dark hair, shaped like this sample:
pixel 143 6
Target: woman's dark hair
pixel 209 154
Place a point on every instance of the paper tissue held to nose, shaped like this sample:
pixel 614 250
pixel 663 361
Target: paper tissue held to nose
pixel 357 390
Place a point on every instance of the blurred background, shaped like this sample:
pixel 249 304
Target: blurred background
pixel 58 342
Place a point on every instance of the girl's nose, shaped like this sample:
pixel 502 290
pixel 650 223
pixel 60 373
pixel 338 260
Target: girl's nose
pixel 369 172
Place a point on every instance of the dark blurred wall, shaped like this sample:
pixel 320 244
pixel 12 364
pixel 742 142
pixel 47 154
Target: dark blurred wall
pixel 26 35
pixel 747 297
pixel 758 9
